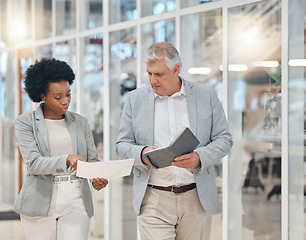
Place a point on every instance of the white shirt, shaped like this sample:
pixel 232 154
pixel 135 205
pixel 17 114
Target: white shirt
pixel 170 117
pixel 60 142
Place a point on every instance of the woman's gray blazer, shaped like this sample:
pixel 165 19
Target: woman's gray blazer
pixel 35 196
pixel 207 121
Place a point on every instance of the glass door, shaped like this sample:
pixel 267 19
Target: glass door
pixel 24 104
pixel 255 98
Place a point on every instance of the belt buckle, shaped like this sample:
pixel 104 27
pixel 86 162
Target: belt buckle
pixel 173 188
pixel 57 179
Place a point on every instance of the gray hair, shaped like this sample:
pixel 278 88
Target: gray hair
pixel 163 50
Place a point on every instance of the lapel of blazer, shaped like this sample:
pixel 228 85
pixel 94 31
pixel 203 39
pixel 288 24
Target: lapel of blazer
pixel 73 130
pixel 42 133
pixel 149 123
pixel 191 105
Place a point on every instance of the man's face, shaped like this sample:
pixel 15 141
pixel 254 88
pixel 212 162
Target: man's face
pixel 164 81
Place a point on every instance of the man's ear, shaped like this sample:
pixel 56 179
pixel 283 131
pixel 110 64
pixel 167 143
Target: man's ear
pixel 43 97
pixel 176 69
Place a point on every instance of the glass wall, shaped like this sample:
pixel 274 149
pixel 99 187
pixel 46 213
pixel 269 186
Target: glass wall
pixel 201 63
pixel 295 172
pixel 8 90
pixel 122 10
pixel 65 17
pixel 44 51
pixel 155 32
pixel 122 79
pixel 155 7
pixel 66 51
pixel 43 18
pixel 191 3
pixel 91 14
pixel 16 21
pixel 252 52
pixel 254 55
pixel 92 90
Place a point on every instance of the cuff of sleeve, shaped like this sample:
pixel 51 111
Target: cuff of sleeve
pixel 141 155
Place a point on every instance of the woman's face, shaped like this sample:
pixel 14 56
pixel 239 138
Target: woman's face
pixel 57 99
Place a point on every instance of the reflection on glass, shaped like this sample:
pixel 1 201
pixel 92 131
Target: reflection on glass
pixel 122 10
pixel 91 14
pixel 8 71
pixel 122 80
pixel 254 118
pixel 44 51
pixel 92 91
pixel 66 51
pixel 191 3
pixel 92 86
pixel 156 7
pixel 17 21
pixel 43 18
pixel 65 16
pixel 304 126
pixel 8 170
pixel 155 32
pixel 201 63
pixel 24 63
pixel 8 93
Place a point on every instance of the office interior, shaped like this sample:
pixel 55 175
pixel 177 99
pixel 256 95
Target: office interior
pixel 251 51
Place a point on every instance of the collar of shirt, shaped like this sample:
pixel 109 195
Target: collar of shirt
pixel 177 94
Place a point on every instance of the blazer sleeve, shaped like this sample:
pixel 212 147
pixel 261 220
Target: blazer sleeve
pixel 220 137
pixel 31 149
pixel 126 144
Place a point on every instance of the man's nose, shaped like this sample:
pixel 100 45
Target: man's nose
pixel 153 79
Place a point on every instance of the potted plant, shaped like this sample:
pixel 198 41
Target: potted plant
pixel 272 107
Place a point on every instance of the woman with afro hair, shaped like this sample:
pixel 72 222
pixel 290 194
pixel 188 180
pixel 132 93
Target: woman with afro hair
pixel 53 202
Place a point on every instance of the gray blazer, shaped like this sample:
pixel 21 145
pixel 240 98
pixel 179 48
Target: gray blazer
pixel 207 121
pixel 35 196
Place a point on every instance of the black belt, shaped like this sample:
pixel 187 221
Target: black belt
pixel 174 189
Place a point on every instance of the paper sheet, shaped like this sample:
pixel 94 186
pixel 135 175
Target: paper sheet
pixel 107 169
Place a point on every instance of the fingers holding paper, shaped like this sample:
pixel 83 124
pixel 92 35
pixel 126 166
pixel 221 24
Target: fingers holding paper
pixel 188 161
pixel 99 183
pixel 73 159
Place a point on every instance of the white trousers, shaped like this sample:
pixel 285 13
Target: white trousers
pixel 66 220
pixel 167 215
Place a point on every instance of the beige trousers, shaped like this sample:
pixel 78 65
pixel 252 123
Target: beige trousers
pixel 168 216
pixel 66 220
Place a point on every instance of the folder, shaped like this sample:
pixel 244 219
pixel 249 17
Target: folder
pixel 183 143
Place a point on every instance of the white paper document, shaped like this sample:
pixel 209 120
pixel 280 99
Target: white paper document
pixel 107 169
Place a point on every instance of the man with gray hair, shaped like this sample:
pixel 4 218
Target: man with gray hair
pixel 172 202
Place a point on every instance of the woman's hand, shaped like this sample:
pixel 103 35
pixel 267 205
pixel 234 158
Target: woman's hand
pixel 73 159
pixel 99 183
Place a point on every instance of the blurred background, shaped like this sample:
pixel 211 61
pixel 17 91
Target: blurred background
pixel 251 51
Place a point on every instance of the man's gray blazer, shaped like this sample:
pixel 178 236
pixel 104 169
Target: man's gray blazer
pixel 207 121
pixel 35 196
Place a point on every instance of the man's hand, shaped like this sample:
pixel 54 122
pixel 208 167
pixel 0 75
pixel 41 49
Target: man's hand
pixel 188 161
pixel 146 149
pixel 73 159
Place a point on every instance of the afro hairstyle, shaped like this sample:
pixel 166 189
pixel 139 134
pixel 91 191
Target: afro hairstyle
pixel 41 73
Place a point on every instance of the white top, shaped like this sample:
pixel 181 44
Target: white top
pixel 60 142
pixel 170 117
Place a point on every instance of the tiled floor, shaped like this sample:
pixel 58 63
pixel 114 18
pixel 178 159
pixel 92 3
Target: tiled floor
pixel 256 213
